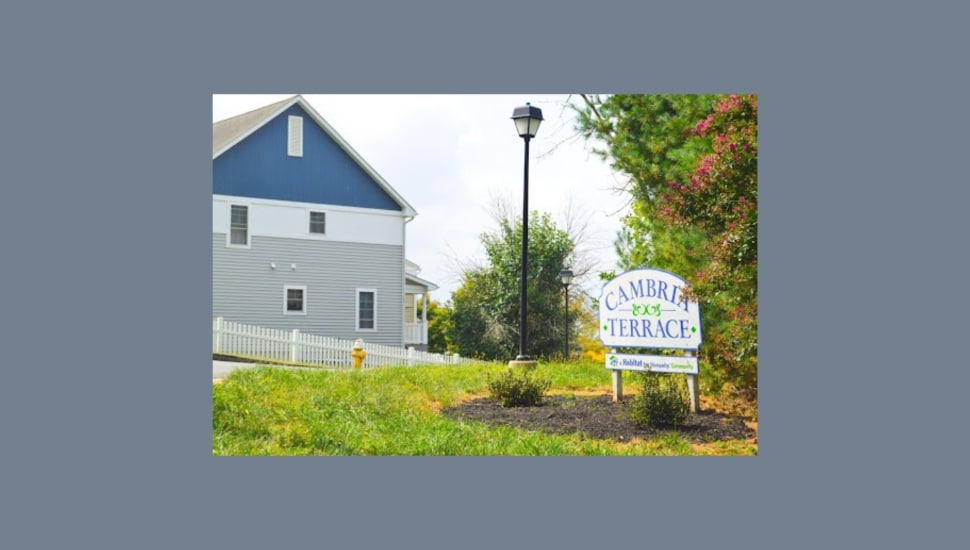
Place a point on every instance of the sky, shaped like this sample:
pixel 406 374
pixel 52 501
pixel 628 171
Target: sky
pixel 453 156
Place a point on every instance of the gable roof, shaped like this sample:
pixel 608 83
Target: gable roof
pixel 227 133
pixel 411 271
pixel 414 279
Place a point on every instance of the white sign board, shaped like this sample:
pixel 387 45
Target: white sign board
pixel 645 308
pixel 652 363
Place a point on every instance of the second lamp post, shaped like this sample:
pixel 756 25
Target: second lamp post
pixel 566 276
pixel 527 120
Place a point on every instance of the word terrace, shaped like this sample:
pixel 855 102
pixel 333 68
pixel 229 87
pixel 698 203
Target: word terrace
pixel 644 310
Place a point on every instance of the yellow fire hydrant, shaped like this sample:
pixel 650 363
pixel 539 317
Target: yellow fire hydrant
pixel 358 353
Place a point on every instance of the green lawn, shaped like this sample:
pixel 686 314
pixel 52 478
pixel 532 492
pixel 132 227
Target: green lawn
pixel 393 411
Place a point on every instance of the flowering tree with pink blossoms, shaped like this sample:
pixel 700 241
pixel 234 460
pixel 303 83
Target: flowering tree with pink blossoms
pixel 691 168
pixel 721 198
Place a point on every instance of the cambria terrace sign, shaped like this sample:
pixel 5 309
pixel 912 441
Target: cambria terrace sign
pixel 646 308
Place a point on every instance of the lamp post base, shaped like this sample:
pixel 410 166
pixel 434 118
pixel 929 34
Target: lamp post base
pixel 523 362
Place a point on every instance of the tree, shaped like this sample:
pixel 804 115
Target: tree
pixel 587 331
pixel 439 321
pixel 484 320
pixel 650 138
pixel 721 198
pixel 666 144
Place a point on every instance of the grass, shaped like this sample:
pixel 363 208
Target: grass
pixel 393 411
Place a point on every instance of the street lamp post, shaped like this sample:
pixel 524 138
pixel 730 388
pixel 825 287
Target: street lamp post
pixel 527 120
pixel 566 276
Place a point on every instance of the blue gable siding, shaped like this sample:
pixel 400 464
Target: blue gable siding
pixel 259 167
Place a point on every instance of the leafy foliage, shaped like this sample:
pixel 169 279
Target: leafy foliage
pixel 587 333
pixel 517 387
pixel 721 198
pixel 484 320
pixel 650 138
pixel 663 401
pixel 439 324
pixel 692 163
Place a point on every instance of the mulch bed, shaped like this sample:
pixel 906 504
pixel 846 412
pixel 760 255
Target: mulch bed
pixel 595 417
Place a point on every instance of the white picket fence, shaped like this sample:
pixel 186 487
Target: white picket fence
pixel 232 338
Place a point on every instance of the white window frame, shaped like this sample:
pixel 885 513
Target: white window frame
pixel 310 224
pixel 357 308
pixel 249 226
pixel 286 299
pixel 294 136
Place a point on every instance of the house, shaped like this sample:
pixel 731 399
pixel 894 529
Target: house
pixel 416 292
pixel 306 235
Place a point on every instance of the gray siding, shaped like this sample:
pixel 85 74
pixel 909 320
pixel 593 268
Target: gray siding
pixel 246 290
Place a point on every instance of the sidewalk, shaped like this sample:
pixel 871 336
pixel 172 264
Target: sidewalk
pixel 221 369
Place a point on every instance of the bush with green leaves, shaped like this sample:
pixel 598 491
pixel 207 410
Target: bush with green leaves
pixel 663 403
pixel 517 387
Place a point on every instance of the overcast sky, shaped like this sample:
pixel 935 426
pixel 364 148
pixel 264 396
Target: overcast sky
pixel 450 156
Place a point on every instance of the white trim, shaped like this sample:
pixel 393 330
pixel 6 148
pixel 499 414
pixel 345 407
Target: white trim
pixel 294 136
pixel 249 226
pixel 427 286
pixel 320 206
pixel 357 310
pixel 406 208
pixel 286 289
pixel 290 220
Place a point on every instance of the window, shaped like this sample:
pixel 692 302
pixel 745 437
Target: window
pixel 294 300
pixel 294 142
pixel 318 222
pixel 366 309
pixel 239 225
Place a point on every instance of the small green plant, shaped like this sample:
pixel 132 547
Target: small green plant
pixel 663 402
pixel 518 390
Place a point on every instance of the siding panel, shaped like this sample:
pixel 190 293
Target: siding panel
pixel 246 289
pixel 259 167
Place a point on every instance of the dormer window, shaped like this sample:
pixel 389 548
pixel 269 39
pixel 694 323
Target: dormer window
pixel 294 143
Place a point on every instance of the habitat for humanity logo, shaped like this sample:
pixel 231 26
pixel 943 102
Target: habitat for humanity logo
pixel 652 363
pixel 625 361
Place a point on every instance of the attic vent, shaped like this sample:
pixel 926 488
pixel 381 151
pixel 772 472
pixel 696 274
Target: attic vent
pixel 294 143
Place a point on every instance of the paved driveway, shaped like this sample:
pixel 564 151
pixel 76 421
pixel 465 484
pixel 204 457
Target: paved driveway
pixel 221 369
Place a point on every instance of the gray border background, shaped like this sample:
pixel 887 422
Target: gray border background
pixel 105 392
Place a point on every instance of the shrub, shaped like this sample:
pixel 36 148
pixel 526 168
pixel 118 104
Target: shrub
pixel 663 402
pixel 518 390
